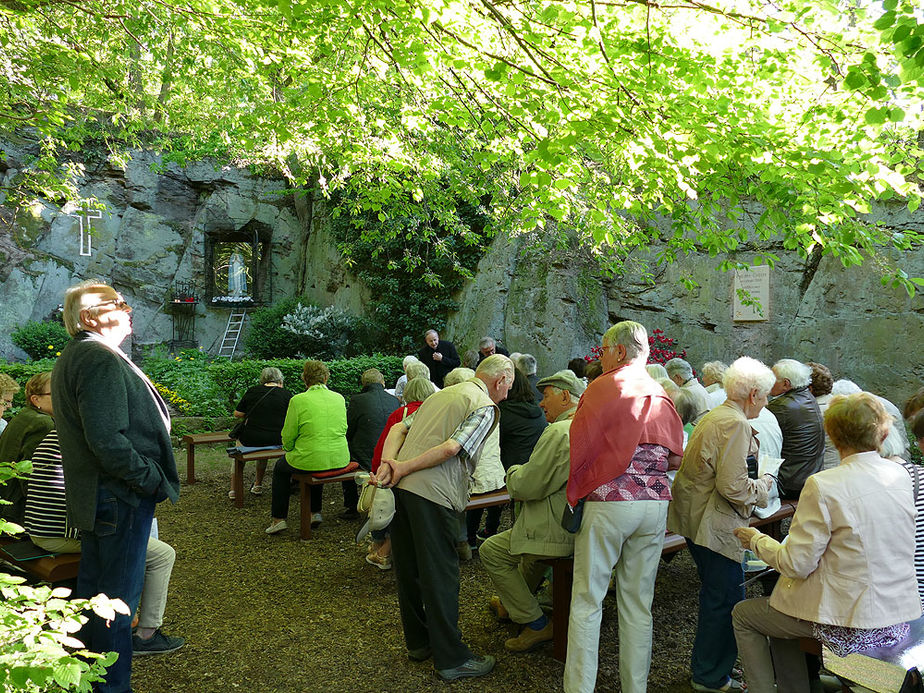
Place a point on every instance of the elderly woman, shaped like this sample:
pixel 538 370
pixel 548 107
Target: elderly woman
pixel 847 567
pixel 713 495
pixel 263 408
pixel 8 388
pixel 21 437
pixel 416 391
pixel 314 438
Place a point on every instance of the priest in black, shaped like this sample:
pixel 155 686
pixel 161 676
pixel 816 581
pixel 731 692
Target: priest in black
pixel 439 355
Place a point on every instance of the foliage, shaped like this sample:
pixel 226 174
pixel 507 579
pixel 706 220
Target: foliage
pixel 40 339
pixel 294 328
pixel 21 372
pixel 38 650
pixel 187 381
pixel 413 258
pixel 662 348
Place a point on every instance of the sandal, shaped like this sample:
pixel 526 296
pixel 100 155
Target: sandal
pixel 256 490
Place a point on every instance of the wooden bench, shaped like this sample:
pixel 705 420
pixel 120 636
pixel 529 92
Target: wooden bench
pixel 563 573
pixel 487 500
pixel 306 480
pixel 881 669
pixel 194 439
pixel 56 568
pixel 237 474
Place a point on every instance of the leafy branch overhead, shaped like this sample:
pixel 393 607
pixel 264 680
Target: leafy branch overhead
pixel 704 125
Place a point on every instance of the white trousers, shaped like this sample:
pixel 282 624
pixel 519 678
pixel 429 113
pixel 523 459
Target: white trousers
pixel 628 535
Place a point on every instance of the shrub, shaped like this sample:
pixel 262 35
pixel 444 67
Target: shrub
pixel 41 339
pixel 189 385
pixel 21 372
pixel 265 339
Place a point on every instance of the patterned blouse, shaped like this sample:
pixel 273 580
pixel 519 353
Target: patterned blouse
pixel 644 479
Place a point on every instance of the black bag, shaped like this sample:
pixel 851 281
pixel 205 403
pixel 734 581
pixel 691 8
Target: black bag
pixel 238 428
pixel 571 517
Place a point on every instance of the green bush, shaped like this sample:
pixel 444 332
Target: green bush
pixel 188 376
pixel 40 339
pixel 21 372
pixel 265 339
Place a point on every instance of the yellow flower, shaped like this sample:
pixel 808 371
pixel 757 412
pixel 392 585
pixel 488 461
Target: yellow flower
pixel 57 353
pixel 50 346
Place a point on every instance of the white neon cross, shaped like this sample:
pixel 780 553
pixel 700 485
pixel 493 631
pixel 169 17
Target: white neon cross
pixel 86 247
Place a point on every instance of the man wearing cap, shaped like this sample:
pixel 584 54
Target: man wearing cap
pixel 514 558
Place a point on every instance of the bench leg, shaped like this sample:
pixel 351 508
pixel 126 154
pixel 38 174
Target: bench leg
pixel 237 482
pixel 304 496
pixel 190 463
pixel 562 579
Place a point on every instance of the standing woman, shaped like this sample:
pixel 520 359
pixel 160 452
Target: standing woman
pixel 314 438
pixel 713 496
pixel 21 437
pixel 264 409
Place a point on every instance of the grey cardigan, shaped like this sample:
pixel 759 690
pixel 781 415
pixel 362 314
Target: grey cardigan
pixel 113 428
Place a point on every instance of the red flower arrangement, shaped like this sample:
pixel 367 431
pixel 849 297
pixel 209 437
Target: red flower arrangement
pixel 661 349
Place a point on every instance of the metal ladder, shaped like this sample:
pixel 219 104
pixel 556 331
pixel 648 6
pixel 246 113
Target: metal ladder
pixel 232 334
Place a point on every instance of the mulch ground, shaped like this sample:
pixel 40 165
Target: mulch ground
pixel 271 613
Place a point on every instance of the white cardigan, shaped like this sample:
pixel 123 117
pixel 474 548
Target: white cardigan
pixel 849 558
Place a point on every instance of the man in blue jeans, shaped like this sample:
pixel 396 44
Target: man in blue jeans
pixel 113 429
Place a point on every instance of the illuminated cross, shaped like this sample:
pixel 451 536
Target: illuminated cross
pixel 86 248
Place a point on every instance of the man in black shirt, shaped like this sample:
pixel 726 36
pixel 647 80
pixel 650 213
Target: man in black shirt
pixel 439 356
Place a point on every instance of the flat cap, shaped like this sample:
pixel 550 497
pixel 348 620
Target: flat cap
pixel 564 380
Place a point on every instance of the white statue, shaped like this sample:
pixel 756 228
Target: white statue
pixel 237 279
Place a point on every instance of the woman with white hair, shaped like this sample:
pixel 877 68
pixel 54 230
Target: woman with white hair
pixel 713 495
pixel 402 381
pixel 263 408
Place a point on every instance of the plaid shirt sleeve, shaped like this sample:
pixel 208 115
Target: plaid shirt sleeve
pixel 471 433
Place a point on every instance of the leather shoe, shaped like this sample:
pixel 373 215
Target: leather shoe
pixel 529 639
pixel 497 606
pixel 476 666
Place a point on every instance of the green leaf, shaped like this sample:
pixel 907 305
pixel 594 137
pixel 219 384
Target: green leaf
pixel 876 116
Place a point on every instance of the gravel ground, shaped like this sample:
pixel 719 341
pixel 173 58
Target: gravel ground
pixel 271 613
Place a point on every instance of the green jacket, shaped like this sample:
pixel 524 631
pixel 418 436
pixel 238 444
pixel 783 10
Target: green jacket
pixel 17 443
pixel 539 489
pixel 314 432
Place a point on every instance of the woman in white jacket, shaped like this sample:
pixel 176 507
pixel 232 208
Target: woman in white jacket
pixel 847 569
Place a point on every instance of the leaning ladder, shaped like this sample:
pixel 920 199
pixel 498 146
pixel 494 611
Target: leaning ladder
pixel 232 334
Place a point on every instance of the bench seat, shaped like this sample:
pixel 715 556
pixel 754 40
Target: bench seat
pixel 56 568
pixel 306 480
pixel 191 441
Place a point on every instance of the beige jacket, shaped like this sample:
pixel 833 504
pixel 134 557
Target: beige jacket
pixel 849 557
pixel 712 492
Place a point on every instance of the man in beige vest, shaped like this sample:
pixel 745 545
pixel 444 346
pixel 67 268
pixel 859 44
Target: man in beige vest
pixel 429 458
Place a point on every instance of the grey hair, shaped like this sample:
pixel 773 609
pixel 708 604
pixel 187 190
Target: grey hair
pixel 714 370
pixel 407 360
pixel 845 387
pixel 747 374
pixel 418 389
pixel 486 342
pixel 685 403
pixel 657 371
pixel 74 302
pixel 458 375
pixel 632 335
pixel 526 363
pixel 496 365
pixel 430 331
pixel 271 374
pixel 893 445
pixel 575 399
pixel 797 373
pixel 679 367
pixel 417 370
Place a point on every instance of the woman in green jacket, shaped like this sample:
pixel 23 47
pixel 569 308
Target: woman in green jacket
pixel 314 438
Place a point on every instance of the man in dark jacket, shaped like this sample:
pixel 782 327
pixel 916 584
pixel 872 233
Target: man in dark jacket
pixel 366 418
pixel 114 433
pixel 488 347
pixel 801 423
pixel 439 356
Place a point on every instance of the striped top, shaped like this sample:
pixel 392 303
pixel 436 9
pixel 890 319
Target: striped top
pixel 917 472
pixel 46 512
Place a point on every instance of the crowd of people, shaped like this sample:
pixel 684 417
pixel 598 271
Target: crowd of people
pixel 599 459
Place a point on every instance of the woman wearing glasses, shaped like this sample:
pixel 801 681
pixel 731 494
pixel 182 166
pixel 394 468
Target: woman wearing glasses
pixel 21 437
pixel 8 388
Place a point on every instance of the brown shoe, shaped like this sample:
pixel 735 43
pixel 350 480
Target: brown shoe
pixel 529 639
pixel 495 605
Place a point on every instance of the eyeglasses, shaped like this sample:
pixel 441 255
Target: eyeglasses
pixel 117 303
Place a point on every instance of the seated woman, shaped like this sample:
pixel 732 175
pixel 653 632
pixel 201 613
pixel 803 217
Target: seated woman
pixel 847 568
pixel 713 495
pixel 263 408
pixel 21 437
pixel 416 391
pixel 314 438
pixel 8 388
pixel 47 526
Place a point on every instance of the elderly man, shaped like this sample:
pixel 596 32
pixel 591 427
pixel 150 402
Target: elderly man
pixel 430 458
pixel 513 558
pixel 439 356
pixel 681 372
pixel 527 364
pixel 114 433
pixel 366 418
pixel 488 347
pixel 624 438
pixel 802 425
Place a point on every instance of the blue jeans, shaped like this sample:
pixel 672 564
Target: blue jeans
pixel 714 648
pixel 112 562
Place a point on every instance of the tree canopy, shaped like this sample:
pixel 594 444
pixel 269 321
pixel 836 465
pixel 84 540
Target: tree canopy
pixel 703 125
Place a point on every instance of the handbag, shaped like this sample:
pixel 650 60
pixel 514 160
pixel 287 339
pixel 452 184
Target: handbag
pixel 238 428
pixel 571 517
